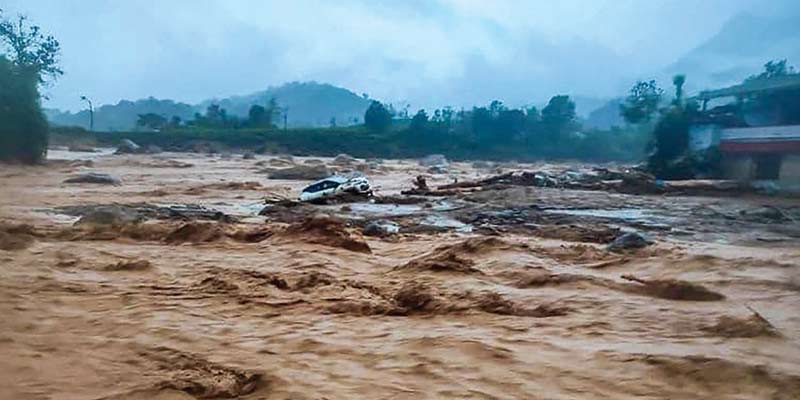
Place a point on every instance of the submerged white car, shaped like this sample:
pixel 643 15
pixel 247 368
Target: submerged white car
pixel 335 186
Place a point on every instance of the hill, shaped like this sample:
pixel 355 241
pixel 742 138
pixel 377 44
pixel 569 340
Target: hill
pixel 739 49
pixel 121 116
pixel 309 104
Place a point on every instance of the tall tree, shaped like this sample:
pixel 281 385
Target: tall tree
pixel 151 121
pixel 679 81
pixel 29 48
pixel 258 116
pixel 559 118
pixel 419 123
pixel 31 56
pixel 642 102
pixel 377 118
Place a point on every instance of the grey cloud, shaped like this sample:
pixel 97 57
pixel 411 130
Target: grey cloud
pixel 430 53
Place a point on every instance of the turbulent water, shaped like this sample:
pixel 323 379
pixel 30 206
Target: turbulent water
pixel 497 294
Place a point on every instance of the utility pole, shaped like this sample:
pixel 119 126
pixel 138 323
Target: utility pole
pixel 91 112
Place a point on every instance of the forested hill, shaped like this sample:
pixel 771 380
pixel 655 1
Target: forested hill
pixel 309 104
pixel 121 116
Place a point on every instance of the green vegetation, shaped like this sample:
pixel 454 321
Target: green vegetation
pixel 780 107
pixel 377 118
pixel 30 59
pixel 23 127
pixel 494 132
pixel 642 102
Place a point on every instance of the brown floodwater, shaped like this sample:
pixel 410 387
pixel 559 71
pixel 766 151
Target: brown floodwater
pixel 499 294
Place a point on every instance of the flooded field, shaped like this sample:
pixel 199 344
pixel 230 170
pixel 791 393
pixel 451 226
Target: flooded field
pixel 195 276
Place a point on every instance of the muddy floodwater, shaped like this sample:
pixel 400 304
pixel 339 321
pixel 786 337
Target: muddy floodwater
pixel 196 276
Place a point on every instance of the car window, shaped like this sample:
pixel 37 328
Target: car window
pixel 314 188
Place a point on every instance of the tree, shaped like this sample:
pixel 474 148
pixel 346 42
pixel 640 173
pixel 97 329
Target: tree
pixel 780 106
pixel 215 116
pixel 377 118
pixel 670 141
pixel 642 102
pixel 772 69
pixel 419 122
pixel 31 56
pixel 151 121
pixel 259 117
pixel 678 81
pixel 175 122
pixel 559 118
pixel 23 127
pixel 29 48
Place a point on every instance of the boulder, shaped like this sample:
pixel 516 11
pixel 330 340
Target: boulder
pixel 381 228
pixel 629 241
pixel 110 215
pixel 95 178
pixel 127 146
pixel 248 155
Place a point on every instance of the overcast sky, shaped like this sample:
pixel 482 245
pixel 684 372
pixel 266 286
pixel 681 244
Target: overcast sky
pixel 434 52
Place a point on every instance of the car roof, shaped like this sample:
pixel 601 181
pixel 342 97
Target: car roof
pixel 334 178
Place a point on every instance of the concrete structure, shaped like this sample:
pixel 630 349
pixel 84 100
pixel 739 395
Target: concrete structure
pixel 703 136
pixel 757 144
pixel 762 153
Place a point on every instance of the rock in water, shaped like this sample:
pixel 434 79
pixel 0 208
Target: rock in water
pixel 96 178
pixel 630 240
pixel 110 215
pixel 381 228
pixel 127 146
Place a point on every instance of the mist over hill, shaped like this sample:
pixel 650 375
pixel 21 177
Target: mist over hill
pixel 309 104
pixel 121 116
pixel 740 48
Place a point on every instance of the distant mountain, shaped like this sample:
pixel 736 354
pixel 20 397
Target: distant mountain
pixel 121 116
pixel 309 104
pixel 606 116
pixel 585 105
pixel 740 49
